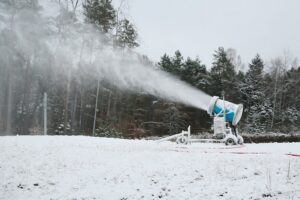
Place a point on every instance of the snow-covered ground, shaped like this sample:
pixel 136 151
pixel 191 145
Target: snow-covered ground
pixel 77 167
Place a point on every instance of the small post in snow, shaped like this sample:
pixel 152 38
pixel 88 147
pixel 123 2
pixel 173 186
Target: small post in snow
pixel 45 113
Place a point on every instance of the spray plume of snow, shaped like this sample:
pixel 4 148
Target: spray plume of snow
pixel 73 44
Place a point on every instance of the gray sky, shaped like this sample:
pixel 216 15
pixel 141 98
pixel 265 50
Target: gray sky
pixel 198 27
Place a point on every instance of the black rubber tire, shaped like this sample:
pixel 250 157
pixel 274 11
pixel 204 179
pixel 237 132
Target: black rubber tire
pixel 182 140
pixel 230 141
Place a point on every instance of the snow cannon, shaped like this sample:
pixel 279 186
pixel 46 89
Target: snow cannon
pixel 226 116
pixel 233 112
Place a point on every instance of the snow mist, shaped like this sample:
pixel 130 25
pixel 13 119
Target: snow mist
pixel 129 73
pixel 53 34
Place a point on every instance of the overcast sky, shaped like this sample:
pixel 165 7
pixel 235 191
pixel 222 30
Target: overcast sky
pixel 198 27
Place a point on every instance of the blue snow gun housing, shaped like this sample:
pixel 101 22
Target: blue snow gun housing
pixel 233 112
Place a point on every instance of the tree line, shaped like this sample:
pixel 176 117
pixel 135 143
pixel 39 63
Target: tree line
pixel 79 103
pixel 269 94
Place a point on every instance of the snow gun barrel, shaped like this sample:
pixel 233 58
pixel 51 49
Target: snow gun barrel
pixel 233 112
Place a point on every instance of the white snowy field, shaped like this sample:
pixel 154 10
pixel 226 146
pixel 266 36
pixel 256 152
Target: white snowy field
pixel 86 168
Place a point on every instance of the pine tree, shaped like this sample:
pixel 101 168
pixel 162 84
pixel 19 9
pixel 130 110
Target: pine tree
pixel 173 119
pixel 178 62
pixel 257 106
pixel 126 35
pixel 195 73
pixel 173 65
pixel 290 114
pixel 166 63
pixel 101 13
pixel 223 76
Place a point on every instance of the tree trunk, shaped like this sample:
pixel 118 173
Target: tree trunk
pixel 67 104
pixel 275 96
pixel 108 105
pixel 9 105
pixel 81 109
pixel 73 115
pixel 96 107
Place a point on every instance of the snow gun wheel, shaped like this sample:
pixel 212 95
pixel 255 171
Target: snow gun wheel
pixel 182 140
pixel 240 140
pixel 231 140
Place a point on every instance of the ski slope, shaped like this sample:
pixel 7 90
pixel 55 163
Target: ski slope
pixel 78 167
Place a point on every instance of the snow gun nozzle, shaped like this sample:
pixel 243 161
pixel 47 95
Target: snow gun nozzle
pixel 233 112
